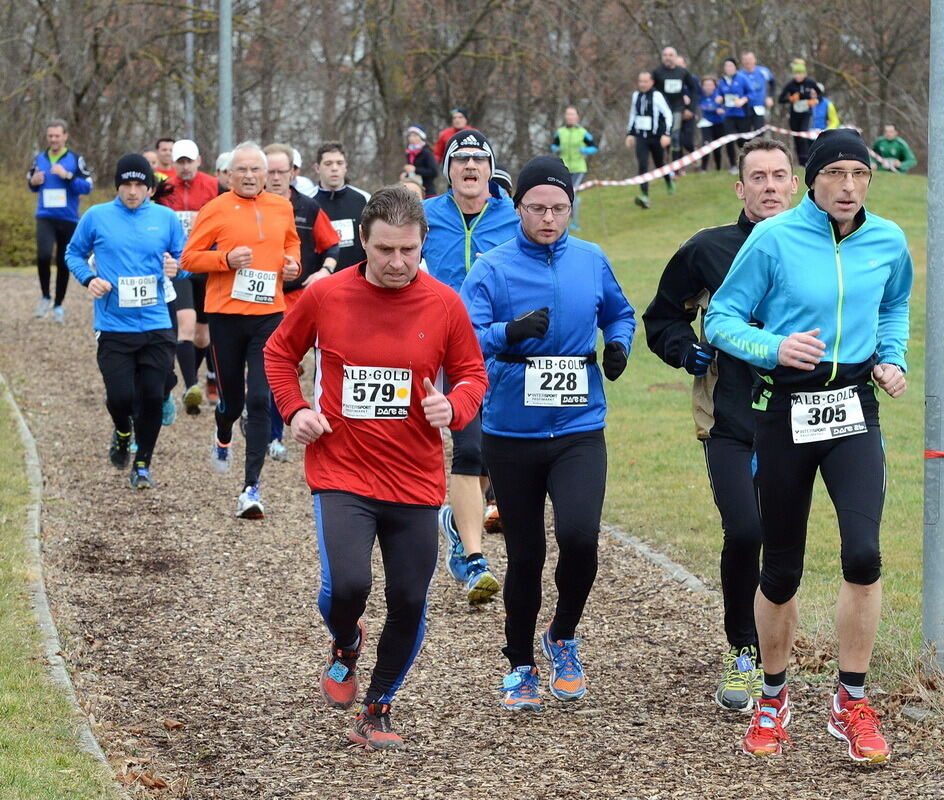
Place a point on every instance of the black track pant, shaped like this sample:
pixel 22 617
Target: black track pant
pixel 729 470
pixel 646 147
pixel 237 341
pixel 51 232
pixel 853 469
pixel 347 526
pixel 133 366
pixel 571 470
pixel 709 134
pixel 735 125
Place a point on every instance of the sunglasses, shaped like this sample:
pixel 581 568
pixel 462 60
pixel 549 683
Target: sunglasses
pixel 464 158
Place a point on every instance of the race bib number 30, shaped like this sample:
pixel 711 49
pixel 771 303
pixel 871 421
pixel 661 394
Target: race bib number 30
pixel 818 416
pixel 555 381
pixel 137 292
pixel 254 286
pixel 376 392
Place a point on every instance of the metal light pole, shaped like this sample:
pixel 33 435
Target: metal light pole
pixel 226 77
pixel 933 603
pixel 188 78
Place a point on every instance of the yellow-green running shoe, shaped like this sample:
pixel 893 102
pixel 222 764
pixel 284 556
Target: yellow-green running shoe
pixel 741 681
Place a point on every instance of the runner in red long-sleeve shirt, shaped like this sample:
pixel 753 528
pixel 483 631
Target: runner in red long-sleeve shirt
pixel 373 458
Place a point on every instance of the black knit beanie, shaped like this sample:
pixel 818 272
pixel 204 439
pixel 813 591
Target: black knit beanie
pixel 469 139
pixel 544 170
pixel 837 144
pixel 134 167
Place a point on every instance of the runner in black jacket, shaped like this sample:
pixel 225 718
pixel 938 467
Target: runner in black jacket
pixel 722 398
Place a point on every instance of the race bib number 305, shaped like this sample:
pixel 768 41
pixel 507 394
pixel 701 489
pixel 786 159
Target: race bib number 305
pixel 818 416
pixel 254 286
pixel 137 292
pixel 555 381
pixel 376 392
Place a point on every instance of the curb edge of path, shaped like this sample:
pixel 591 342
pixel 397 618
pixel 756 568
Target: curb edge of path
pixel 50 643
pixel 675 571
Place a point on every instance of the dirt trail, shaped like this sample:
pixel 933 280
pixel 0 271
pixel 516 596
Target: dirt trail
pixel 175 615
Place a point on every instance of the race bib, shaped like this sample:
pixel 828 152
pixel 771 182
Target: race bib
pixel 643 123
pixel 254 285
pixel 730 100
pixel 137 291
pixel 54 198
pixel 760 111
pixel 801 106
pixel 672 86
pixel 556 381
pixel 186 220
pixel 704 123
pixel 345 230
pixel 170 293
pixel 376 392
pixel 818 416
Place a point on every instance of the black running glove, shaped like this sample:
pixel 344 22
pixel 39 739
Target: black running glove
pixel 614 360
pixel 530 325
pixel 698 358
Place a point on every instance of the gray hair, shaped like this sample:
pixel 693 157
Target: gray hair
pixel 250 145
pixel 56 122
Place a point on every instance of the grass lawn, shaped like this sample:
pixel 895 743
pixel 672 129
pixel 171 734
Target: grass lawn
pixel 658 488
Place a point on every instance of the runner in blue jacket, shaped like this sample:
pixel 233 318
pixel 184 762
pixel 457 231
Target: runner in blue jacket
pixel 537 303
pixel 135 243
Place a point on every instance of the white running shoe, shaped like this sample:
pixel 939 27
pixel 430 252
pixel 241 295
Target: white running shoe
pixel 42 307
pixel 277 451
pixel 249 504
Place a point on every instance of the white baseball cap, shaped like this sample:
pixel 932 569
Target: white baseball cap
pixel 185 148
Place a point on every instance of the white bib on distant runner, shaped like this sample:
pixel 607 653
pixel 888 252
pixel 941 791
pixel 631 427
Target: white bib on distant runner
pixel 760 111
pixel 730 100
pixel 818 416
pixel 672 85
pixel 54 198
pixel 801 106
pixel 186 220
pixel 345 230
pixel 137 291
pixel 556 381
pixel 643 123
pixel 376 392
pixel 254 285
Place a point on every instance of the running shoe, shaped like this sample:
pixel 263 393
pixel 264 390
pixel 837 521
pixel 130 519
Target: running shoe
pixel 140 477
pixel 249 504
pixel 212 392
pixel 856 722
pixel 520 690
pixel 219 455
pixel 119 452
pixel 373 730
pixel 670 187
pixel 168 410
pixel 192 399
pixel 643 201
pixel 278 451
pixel 42 307
pixel 492 522
pixel 567 681
pixel 766 735
pixel 339 683
pixel 455 552
pixel 481 585
pixel 59 314
pixel 741 680
pixel 732 170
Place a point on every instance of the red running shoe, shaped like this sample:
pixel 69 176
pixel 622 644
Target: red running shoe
pixel 765 735
pixel 339 684
pixel 373 730
pixel 856 722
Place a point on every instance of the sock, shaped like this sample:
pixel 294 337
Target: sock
pixel 352 647
pixel 773 684
pixel 187 358
pixel 471 557
pixel 853 683
pixel 199 353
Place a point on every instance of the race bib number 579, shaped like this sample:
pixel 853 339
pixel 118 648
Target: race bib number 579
pixel 376 392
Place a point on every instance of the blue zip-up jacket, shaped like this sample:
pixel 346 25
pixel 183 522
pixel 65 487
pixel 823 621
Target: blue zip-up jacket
pixel 573 279
pixel 126 243
pixel 792 275
pixel 709 109
pixel 49 191
pixel 451 247
pixel 734 87
pixel 760 84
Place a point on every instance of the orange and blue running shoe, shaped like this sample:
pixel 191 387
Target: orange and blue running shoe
pixel 520 690
pixel 567 681
pixel 766 735
pixel 339 683
pixel 373 730
pixel 856 722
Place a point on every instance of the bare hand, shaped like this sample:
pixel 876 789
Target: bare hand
pixel 630 141
pixel 801 350
pixel 37 178
pixel 665 141
pixel 316 276
pixel 436 406
pixel 308 426
pixel 890 378
pixel 291 269
pixel 239 257
pixel 170 265
pixel 686 114
pixel 98 288
pixel 58 169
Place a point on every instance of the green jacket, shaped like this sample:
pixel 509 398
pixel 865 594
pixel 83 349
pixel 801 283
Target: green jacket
pixel 573 145
pixel 895 148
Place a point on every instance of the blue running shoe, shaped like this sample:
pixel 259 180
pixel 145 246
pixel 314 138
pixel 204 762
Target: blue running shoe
pixel 520 690
pixel 480 582
pixel 567 681
pixel 141 477
pixel 168 411
pixel 455 552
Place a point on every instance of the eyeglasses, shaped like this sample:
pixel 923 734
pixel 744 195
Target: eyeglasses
pixel 464 158
pixel 248 170
pixel 279 171
pixel 837 175
pixel 559 210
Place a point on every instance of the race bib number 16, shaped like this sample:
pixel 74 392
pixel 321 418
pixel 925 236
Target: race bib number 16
pixel 376 392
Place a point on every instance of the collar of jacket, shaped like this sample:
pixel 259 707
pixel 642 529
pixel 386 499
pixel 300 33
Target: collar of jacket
pixel 118 202
pixel 541 251
pixel 821 220
pixel 744 223
pixel 333 192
